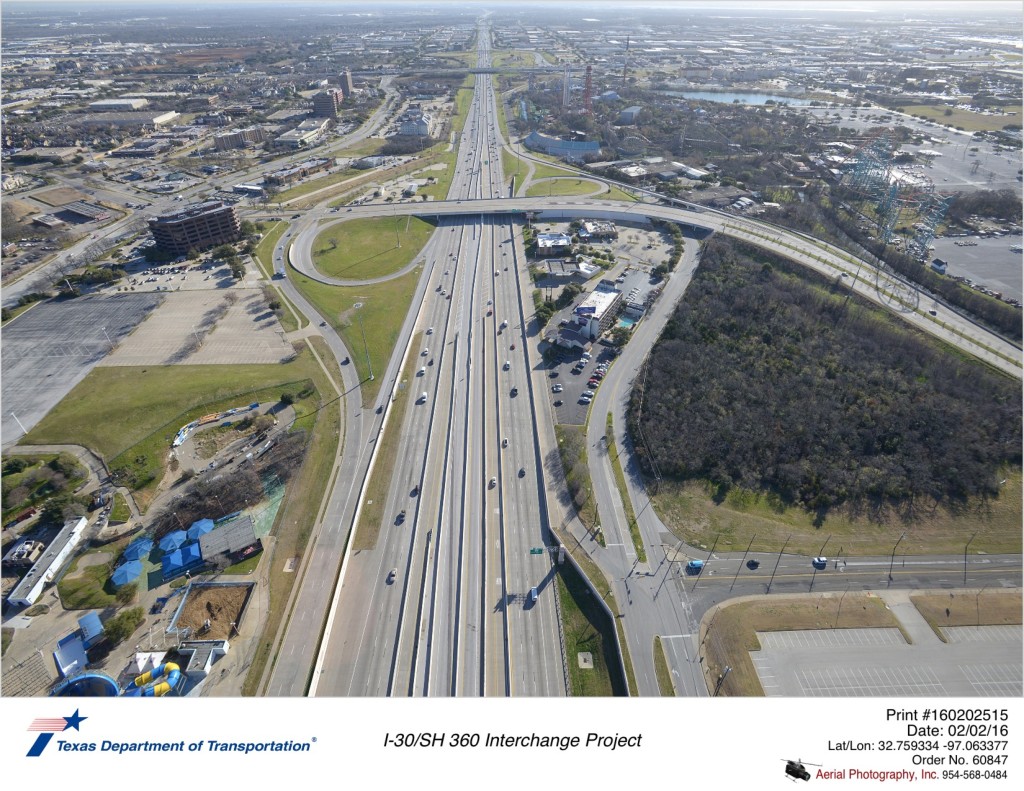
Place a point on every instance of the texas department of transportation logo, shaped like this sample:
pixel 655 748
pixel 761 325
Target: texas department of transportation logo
pixel 47 726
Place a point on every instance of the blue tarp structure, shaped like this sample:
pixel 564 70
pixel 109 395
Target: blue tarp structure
pixel 172 541
pixel 181 560
pixel 200 528
pixel 138 549
pixel 127 572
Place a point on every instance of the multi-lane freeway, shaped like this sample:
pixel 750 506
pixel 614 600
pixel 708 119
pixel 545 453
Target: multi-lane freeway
pixel 450 601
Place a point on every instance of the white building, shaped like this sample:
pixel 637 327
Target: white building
pixel 45 569
pixel 118 105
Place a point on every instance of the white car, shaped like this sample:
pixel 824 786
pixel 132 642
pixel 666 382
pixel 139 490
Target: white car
pixel 556 388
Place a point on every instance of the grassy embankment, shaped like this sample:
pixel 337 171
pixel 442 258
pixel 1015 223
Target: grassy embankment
pixel 587 628
pixel 129 415
pixel 562 186
pixel 692 514
pixel 384 307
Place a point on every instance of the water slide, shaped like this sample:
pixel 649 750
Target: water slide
pixel 168 675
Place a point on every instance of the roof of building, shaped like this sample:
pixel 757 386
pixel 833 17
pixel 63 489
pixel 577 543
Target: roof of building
pixel 192 210
pixel 228 537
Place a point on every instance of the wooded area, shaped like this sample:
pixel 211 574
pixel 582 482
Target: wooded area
pixel 774 380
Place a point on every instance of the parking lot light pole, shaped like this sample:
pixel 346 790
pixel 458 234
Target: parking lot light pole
pixel 108 338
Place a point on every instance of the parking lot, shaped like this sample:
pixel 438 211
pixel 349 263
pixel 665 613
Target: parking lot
pixel 51 347
pixel 572 382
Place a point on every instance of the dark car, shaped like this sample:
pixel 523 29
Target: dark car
pixel 553 374
pixel 753 564
pixel 558 402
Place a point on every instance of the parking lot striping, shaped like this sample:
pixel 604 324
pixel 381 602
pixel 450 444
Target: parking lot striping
pixel 994 680
pixel 991 634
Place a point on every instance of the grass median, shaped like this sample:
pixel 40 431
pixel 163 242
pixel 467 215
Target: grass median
pixel 620 484
pixel 372 516
pixel 587 629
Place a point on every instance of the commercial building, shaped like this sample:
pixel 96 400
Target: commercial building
pixel 346 84
pixel 196 227
pixel 628 116
pixel 571 150
pixel 327 104
pixel 305 134
pixel 553 243
pixel 239 138
pixel 118 105
pixel 595 313
pixel 50 562
pixel 138 120
pixel 301 170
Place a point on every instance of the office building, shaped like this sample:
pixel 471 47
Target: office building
pixel 327 104
pixel 196 227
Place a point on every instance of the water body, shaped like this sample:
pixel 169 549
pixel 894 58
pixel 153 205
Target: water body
pixel 742 98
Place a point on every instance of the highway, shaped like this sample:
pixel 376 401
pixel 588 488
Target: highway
pixel 457 618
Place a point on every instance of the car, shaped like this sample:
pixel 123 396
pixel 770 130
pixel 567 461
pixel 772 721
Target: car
pixel 694 566
pixel 492 483
pixel 391 575
pixel 522 472
pixel 556 388
pixel 932 313
pixel 514 392
pixel 424 353
pixel 504 442
pixel 400 518
pixel 513 347
pixel 588 393
pixel 533 594
pixel 585 399
pixel 430 330
pixel 559 402
pixel 421 372
pixel 753 564
pixel 421 400
pixel 553 374
pixel 819 562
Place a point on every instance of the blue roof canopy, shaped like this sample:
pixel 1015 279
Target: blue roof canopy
pixel 127 572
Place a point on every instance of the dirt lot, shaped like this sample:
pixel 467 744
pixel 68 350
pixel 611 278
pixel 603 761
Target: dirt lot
pixel 221 605
pixel 60 196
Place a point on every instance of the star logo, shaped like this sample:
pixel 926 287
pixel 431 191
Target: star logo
pixel 47 726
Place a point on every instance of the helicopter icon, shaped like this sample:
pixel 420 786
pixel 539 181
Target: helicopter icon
pixel 797 771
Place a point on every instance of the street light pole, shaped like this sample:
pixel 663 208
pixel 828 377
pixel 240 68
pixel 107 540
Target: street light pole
pixel 893 558
pixel 365 347
pixel 108 338
pixel 965 556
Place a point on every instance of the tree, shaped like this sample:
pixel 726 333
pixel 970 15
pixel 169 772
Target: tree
pixel 120 627
pixel 620 335
pixel 126 593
